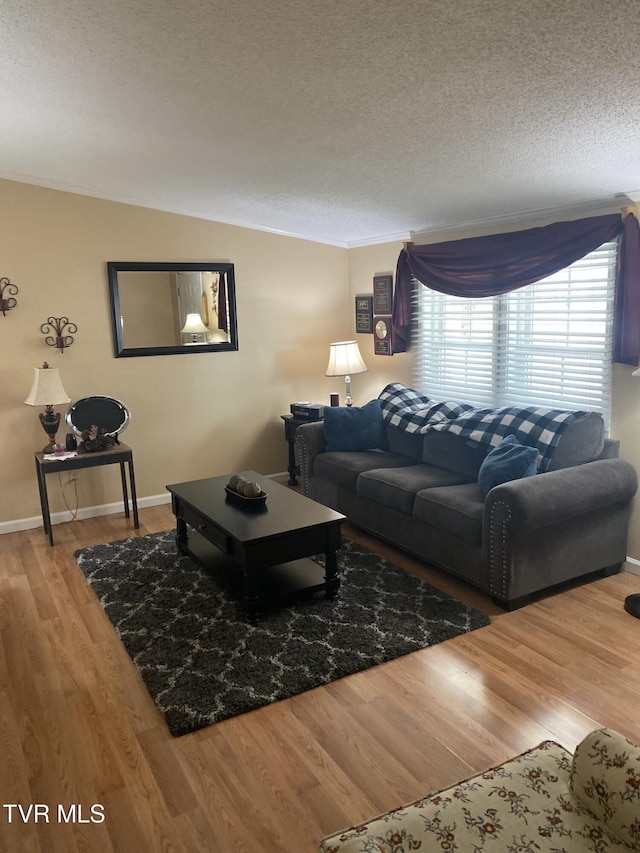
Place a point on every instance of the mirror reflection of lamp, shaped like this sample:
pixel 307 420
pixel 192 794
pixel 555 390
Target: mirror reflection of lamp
pixel 195 327
pixel 47 391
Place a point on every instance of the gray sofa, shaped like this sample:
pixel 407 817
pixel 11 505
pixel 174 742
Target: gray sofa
pixel 526 535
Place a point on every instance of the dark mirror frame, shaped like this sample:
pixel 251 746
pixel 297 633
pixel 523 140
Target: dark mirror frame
pixel 114 267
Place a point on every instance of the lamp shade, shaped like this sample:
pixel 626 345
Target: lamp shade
pixel 194 325
pixel 345 359
pixel 47 388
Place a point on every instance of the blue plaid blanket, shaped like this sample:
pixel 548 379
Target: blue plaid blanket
pixel 534 426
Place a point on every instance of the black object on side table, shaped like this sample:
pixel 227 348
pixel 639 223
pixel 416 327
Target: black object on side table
pixel 119 453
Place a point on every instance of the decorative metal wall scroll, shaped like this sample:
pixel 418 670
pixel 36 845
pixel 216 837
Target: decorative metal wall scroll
pixel 58 325
pixel 7 302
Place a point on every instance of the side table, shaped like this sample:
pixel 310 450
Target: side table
pixel 119 453
pixel 291 424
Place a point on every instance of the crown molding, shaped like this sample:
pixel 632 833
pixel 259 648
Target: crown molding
pixel 591 207
pixel 147 204
pixel 514 221
pixel 400 237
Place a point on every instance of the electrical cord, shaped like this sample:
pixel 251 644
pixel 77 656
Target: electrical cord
pixel 74 512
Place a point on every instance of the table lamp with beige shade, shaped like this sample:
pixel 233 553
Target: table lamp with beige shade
pixel 345 360
pixel 47 391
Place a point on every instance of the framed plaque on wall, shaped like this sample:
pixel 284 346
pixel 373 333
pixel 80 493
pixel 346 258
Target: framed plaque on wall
pixel 382 294
pixel 364 314
pixel 382 336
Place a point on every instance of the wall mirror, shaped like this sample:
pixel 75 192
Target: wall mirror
pixel 166 309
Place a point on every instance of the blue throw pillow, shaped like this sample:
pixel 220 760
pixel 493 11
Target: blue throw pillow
pixel 508 461
pixel 354 428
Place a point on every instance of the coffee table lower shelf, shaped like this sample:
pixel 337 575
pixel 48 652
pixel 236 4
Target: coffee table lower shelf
pixel 277 586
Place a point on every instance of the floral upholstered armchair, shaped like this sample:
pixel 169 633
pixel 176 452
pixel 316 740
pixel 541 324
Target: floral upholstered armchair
pixel 543 801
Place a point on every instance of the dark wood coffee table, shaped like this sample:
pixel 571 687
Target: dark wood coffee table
pixel 266 549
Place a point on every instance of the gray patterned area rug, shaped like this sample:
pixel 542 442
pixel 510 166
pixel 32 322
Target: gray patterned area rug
pixel 203 662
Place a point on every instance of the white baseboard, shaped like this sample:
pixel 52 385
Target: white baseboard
pixel 94 511
pixel 632 566
pixel 85 512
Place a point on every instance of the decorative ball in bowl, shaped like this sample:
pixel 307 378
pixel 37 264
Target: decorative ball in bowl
pixel 243 492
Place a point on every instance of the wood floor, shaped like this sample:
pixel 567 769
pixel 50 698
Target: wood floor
pixel 78 727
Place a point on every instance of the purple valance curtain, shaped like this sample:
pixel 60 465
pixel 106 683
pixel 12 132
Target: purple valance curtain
pixel 626 314
pixel 499 263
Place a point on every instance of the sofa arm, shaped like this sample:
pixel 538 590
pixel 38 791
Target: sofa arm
pixel 556 496
pixel 309 442
pixel 605 778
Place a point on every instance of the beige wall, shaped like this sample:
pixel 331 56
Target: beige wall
pixel 192 415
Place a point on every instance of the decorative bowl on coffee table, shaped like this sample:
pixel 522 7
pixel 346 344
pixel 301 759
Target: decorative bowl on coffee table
pixel 245 502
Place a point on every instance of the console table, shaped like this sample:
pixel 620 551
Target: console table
pixel 119 453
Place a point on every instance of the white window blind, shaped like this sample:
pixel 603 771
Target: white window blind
pixel 549 343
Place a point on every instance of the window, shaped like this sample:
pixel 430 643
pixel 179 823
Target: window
pixel 547 344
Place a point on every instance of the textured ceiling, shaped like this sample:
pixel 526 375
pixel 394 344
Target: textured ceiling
pixel 346 121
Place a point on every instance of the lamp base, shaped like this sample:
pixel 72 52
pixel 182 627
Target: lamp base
pixel 50 421
pixel 348 398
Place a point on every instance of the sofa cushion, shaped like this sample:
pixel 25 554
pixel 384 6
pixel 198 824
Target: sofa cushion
pixel 343 469
pixel 354 428
pixel 510 460
pixel 456 509
pixel 451 451
pixel 407 443
pixel 396 488
pixel 582 441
